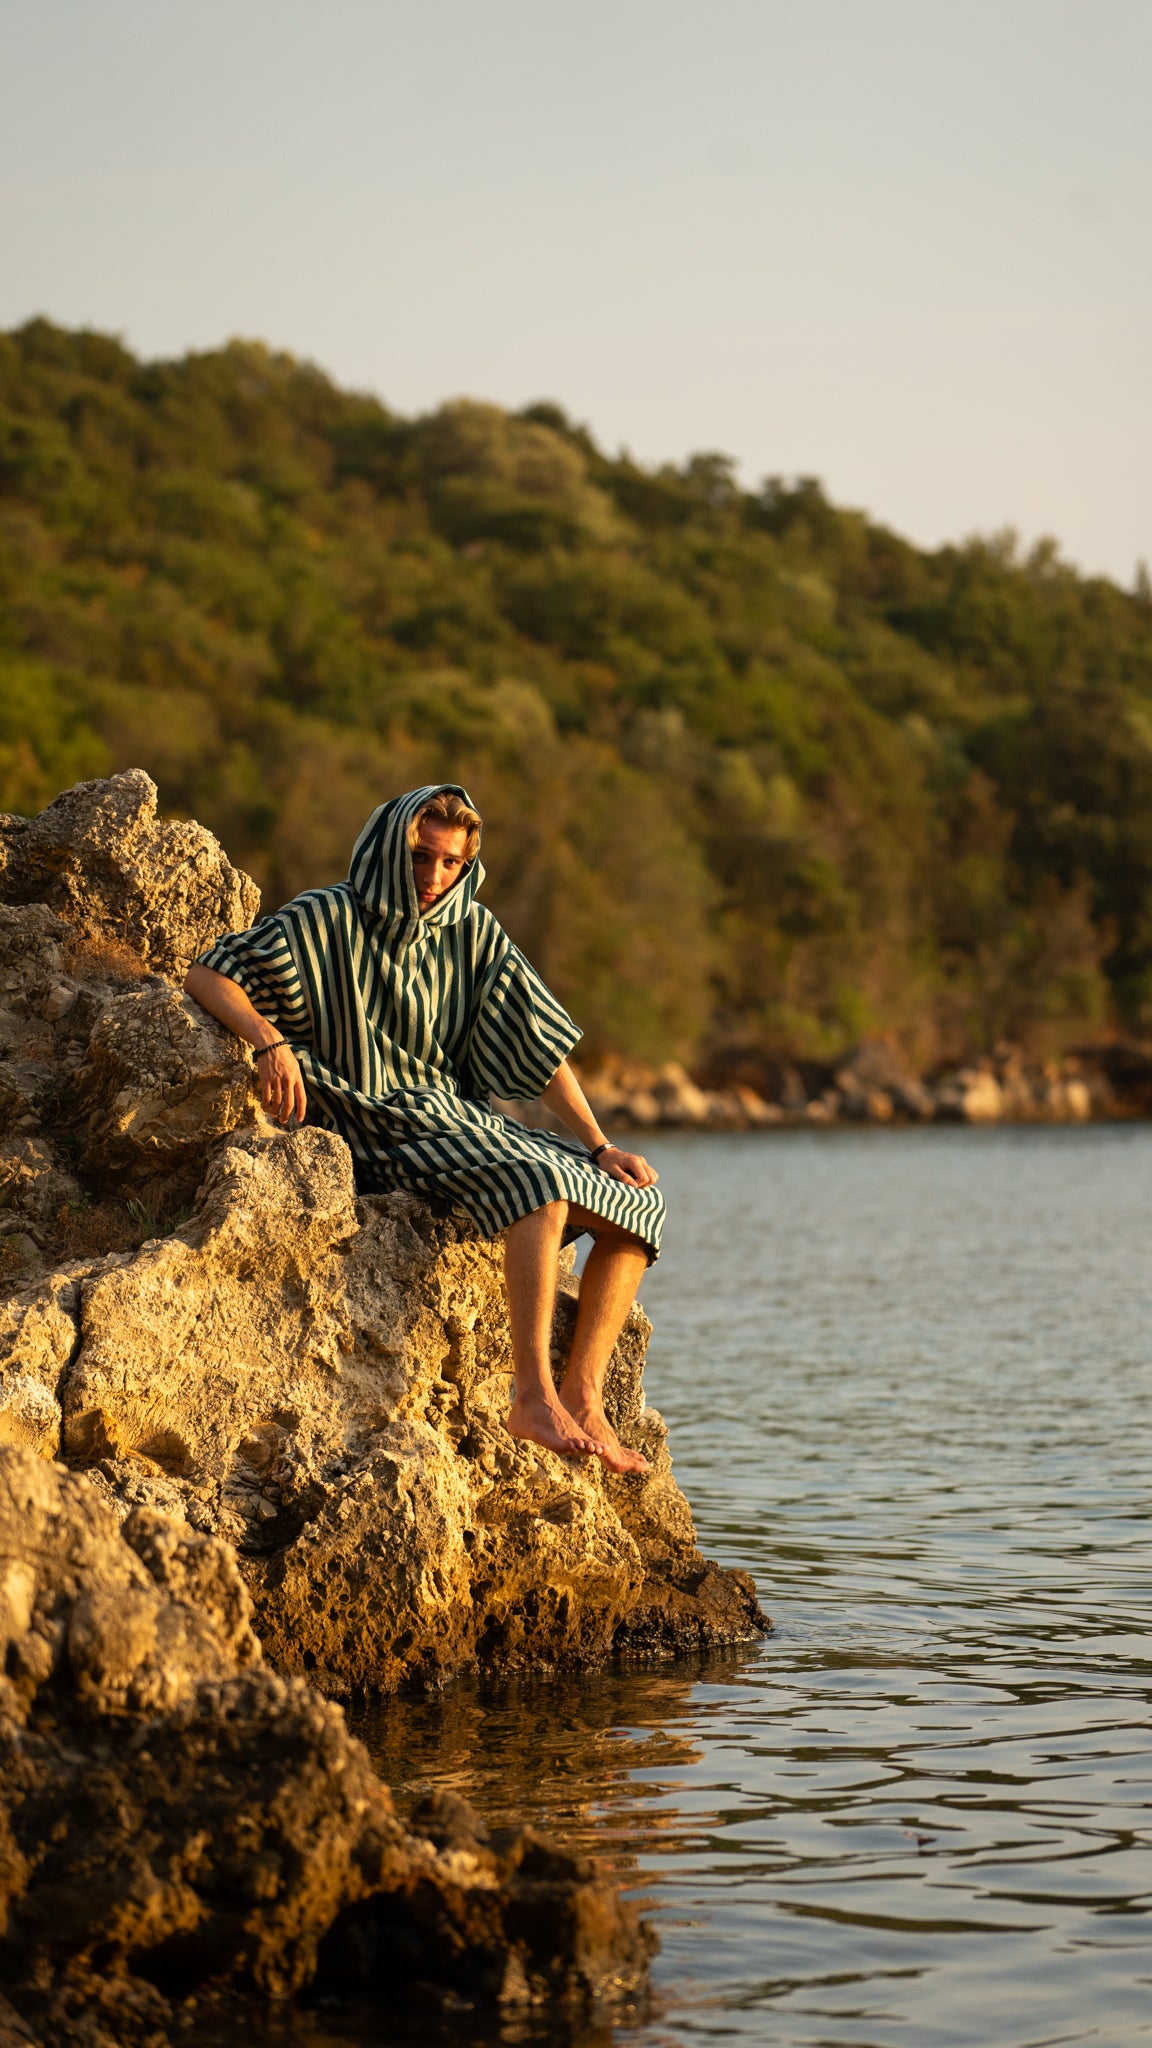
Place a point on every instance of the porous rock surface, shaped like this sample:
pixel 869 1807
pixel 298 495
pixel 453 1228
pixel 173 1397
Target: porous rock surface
pixel 177 1820
pixel 323 1381
pixel 114 1071
pixel 100 857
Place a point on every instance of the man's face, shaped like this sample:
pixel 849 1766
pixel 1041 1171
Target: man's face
pixel 438 859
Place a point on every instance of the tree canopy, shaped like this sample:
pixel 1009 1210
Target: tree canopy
pixel 753 768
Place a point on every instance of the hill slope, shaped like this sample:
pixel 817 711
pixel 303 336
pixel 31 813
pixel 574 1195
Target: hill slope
pixel 754 768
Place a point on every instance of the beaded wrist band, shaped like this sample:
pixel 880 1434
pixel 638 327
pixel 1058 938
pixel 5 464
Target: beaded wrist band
pixel 271 1046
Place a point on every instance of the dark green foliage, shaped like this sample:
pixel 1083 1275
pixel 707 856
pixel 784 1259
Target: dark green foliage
pixel 753 767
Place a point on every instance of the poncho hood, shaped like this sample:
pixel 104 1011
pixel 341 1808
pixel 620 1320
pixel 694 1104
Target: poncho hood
pixel 382 876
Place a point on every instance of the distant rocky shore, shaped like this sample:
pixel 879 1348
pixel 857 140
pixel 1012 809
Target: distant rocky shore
pixel 742 1090
pixel 252 1453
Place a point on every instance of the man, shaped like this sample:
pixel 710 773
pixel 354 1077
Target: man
pixel 393 1005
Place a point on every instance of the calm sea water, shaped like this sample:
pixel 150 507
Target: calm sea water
pixel 909 1380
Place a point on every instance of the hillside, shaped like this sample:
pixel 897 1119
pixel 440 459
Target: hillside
pixel 754 768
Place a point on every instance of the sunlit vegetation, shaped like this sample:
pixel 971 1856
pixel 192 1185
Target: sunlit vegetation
pixel 753 767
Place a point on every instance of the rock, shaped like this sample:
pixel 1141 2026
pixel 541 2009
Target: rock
pixel 642 1108
pixel 32 943
pixel 320 1381
pixel 325 1382
pixel 876 1083
pixel 1077 1099
pixel 875 1063
pixel 137 1079
pixel 161 1080
pixel 913 1099
pixel 100 857
pixel 37 1342
pixel 543 1932
pixel 176 1820
pixel 32 1183
pixel 1119 1076
pixel 972 1097
pixel 755 1110
pixel 860 1103
pixel 13 2032
pixel 58 1002
pixel 679 1099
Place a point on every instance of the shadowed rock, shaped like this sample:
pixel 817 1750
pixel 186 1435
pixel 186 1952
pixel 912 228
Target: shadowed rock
pixel 177 1820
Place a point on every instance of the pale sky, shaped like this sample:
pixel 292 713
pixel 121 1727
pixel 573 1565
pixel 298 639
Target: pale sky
pixel 899 244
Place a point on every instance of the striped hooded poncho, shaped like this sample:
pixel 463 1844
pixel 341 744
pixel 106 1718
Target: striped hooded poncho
pixel 405 1024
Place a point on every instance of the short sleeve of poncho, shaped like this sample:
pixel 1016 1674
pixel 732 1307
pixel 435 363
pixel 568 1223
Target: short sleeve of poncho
pixel 261 962
pixel 520 1033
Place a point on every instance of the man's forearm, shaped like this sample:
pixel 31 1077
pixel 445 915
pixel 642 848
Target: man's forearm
pixel 226 1001
pixel 566 1099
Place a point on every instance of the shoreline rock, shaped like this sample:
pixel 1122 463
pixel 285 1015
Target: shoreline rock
pixel 252 1452
pixel 178 1822
pixel 743 1090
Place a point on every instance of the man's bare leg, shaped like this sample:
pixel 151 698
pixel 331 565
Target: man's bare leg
pixel 531 1256
pixel 613 1271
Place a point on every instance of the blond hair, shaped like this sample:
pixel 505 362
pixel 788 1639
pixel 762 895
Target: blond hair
pixel 446 808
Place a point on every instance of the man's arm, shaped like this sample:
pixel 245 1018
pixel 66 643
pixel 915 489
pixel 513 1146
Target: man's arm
pixel 567 1100
pixel 281 1082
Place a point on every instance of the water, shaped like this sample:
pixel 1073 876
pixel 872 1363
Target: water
pixel 909 1381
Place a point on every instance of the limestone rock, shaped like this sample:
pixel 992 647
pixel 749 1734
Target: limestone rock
pixel 324 1382
pixel 134 1075
pixel 32 943
pixel 536 1931
pixel 175 1819
pixel 32 1182
pixel 100 856
pixel 38 1336
pixel 161 1079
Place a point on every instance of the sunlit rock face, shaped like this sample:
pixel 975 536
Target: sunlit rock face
pixel 111 868
pixel 320 1381
pixel 324 1382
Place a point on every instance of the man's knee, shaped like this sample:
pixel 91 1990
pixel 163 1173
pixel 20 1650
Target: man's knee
pixel 555 1214
pixel 602 1228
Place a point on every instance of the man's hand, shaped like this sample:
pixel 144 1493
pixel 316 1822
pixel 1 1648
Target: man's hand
pixel 282 1084
pixel 628 1167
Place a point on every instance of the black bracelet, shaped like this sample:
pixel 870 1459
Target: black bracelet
pixel 605 1147
pixel 271 1046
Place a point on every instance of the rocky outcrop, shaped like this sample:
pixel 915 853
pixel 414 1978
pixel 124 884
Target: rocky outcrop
pixel 176 1820
pixel 323 1382
pixel 119 875
pixel 112 1083
pixel 318 1380
pixel 282 1410
pixel 741 1089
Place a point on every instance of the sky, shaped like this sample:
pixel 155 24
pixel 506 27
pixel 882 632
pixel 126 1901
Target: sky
pixel 902 245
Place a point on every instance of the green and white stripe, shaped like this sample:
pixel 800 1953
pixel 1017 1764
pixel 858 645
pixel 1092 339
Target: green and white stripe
pixel 405 1023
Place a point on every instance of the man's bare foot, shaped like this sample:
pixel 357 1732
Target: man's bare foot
pixel 540 1420
pixel 590 1416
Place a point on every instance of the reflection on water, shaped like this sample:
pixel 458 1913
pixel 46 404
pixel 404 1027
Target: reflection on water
pixel 909 1378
